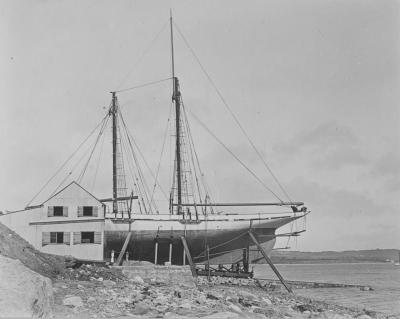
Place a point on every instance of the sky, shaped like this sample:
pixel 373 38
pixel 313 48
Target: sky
pixel 314 83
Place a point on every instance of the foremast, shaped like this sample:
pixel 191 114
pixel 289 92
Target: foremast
pixel 113 112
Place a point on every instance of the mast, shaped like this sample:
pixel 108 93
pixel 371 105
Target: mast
pixel 114 109
pixel 176 98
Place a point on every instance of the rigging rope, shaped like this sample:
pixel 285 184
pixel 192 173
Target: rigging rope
pixel 235 156
pixel 161 154
pixel 144 53
pixel 231 112
pixel 75 166
pixel 91 153
pixel 98 162
pixel 129 135
pixel 142 181
pixel 66 161
pixel 143 85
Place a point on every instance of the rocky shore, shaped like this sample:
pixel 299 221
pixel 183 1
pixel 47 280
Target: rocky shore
pixel 106 293
pixel 43 286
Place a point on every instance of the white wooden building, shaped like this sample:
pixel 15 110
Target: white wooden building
pixel 71 222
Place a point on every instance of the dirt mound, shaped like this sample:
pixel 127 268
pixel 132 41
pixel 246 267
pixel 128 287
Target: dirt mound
pixel 13 246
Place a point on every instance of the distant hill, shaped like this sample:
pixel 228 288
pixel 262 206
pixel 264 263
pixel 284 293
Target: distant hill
pixel 349 256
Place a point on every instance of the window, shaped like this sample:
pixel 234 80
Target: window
pixel 87 211
pixel 58 211
pixel 87 237
pixel 56 238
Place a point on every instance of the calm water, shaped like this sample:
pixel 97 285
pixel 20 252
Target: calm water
pixel 383 278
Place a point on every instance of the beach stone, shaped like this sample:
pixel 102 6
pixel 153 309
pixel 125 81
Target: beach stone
pixel 303 307
pixel 248 295
pixel 213 296
pixel 267 312
pixel 91 299
pixel 185 305
pixel 138 280
pixel 266 301
pixel 222 315
pixel 73 301
pixel 244 302
pixel 141 308
pixel 235 308
pixel 109 283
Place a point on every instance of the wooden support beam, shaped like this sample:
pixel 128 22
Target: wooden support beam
pixel 105 200
pixel 189 256
pixel 121 254
pixel 156 253
pixel 269 262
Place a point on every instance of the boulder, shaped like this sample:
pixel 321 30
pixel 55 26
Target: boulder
pixel 23 292
pixel 141 308
pixel 138 280
pixel 73 301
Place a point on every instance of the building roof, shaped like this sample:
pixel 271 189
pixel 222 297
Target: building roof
pixel 69 186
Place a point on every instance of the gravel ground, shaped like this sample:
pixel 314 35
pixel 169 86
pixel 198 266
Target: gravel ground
pixel 102 292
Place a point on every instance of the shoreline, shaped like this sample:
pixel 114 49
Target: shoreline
pixel 125 294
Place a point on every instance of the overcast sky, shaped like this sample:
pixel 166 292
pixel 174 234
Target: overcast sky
pixel 314 83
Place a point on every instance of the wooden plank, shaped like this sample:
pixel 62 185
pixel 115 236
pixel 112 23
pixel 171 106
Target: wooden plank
pixel 269 261
pixel 124 247
pixel 189 256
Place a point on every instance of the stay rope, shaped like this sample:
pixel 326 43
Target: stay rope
pixel 225 103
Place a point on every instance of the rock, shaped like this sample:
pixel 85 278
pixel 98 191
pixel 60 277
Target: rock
pixel 109 283
pixel 137 280
pixel 363 317
pixel 234 308
pixel 91 299
pixel 366 288
pixel 245 303
pixel 266 311
pixel 141 308
pixel 100 279
pixel 222 315
pixel 74 301
pixel 80 287
pixel 266 301
pixel 248 296
pixel 307 313
pixel 23 292
pixel 303 307
pixel 212 296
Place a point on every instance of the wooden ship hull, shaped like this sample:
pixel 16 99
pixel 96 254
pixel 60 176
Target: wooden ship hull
pixel 222 233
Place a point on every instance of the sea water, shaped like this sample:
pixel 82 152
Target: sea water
pixel 384 278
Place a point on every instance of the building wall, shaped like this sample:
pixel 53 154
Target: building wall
pixel 31 224
pixel 81 251
pixel 19 222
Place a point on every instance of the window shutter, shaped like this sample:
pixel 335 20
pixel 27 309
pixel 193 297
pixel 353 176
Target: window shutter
pixel 50 211
pixel 65 211
pixel 80 211
pixel 77 237
pixel 45 238
pixel 67 238
pixel 97 237
pixel 95 211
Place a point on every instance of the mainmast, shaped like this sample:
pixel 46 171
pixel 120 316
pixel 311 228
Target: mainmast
pixel 114 110
pixel 176 98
